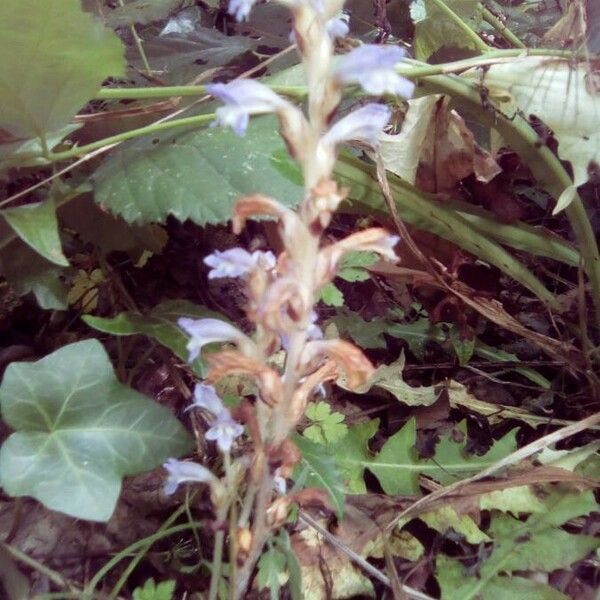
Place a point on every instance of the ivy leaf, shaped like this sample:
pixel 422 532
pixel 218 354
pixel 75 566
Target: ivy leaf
pixel 59 57
pixel 78 431
pixel 270 567
pixel 153 591
pixel 331 295
pixel 197 175
pixel 327 427
pixel 160 324
pixel 318 469
pixel 537 544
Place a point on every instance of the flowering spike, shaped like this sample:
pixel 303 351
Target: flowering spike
pixel 237 262
pixel 338 26
pixel 207 331
pixel 184 472
pixel 373 68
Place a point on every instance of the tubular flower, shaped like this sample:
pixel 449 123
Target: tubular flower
pixel 245 97
pixel 237 262
pixel 223 429
pixel 184 472
pixel 348 357
pixel 373 68
pixel 207 331
pixel 338 27
pixel 230 362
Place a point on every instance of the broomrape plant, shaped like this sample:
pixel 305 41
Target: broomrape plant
pixel 281 291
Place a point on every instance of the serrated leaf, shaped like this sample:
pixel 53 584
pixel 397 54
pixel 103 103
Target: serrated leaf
pixel 515 500
pixel 353 266
pixel 155 591
pixel 59 57
pixel 353 455
pixel 331 295
pixel 160 324
pixel 367 334
pixel 327 427
pixel 318 469
pixel 197 175
pixel 446 517
pixel 397 466
pixel 417 334
pixel 78 431
pixel 537 544
pixel 270 568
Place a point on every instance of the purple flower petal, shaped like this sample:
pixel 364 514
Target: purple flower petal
pixel 183 472
pixel 207 331
pixel 373 68
pixel 362 125
pixel 205 396
pixel 223 431
pixel 242 98
pixel 338 26
pixel 237 262
pixel 240 8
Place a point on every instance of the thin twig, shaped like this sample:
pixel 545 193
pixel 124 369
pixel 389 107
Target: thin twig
pixel 359 560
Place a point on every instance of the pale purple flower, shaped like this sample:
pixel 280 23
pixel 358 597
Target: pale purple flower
pixel 208 331
pixel 184 472
pixel 205 396
pixel 338 26
pixel 237 262
pixel 223 429
pixel 279 482
pixel 242 98
pixel 362 125
pixel 313 332
pixel 373 68
pixel 240 8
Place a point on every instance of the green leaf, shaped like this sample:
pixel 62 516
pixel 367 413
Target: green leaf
pixel 270 568
pixel 417 334
pixel 353 455
pixel 198 175
pixel 434 29
pixel 55 59
pixel 537 544
pixel 318 469
pixel 293 566
pixel 463 348
pixel 78 431
pixel 398 466
pixel 153 591
pixel 142 12
pixel 327 427
pixel 27 271
pixel 37 226
pixel 353 266
pixel 160 324
pixel 367 334
pixel 331 295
